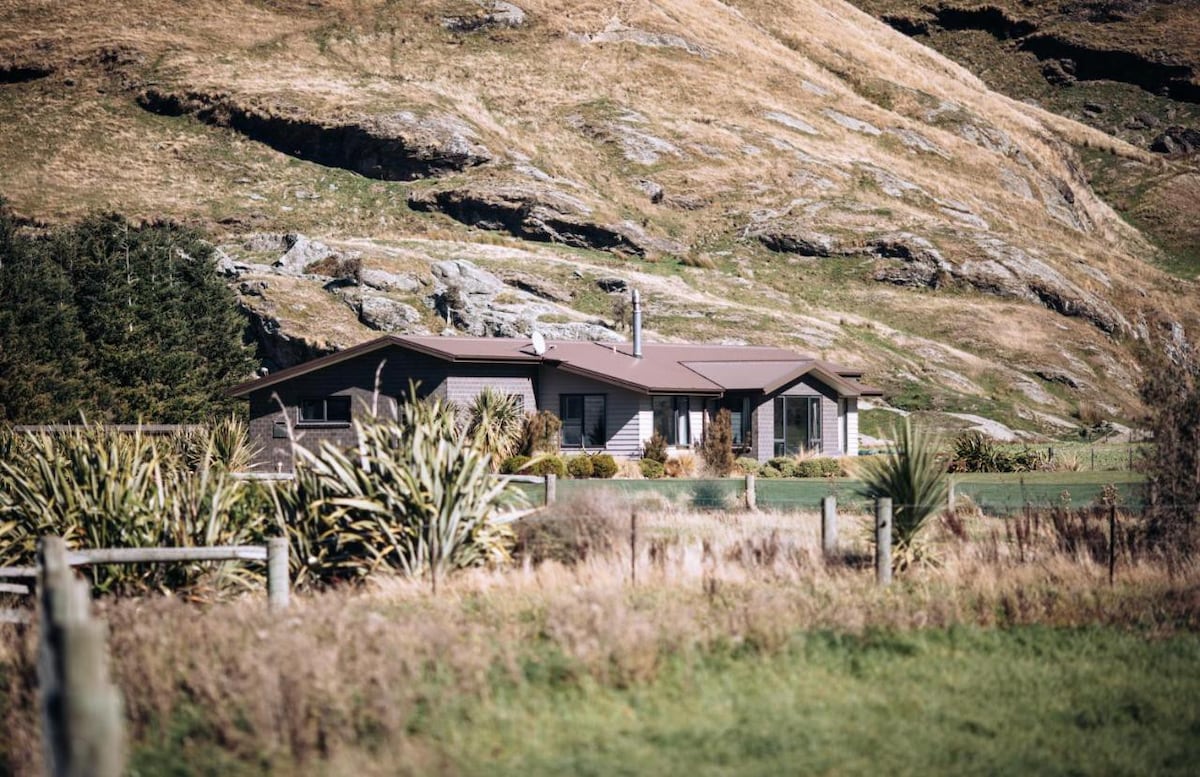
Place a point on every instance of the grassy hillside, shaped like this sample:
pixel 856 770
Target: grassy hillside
pixel 777 171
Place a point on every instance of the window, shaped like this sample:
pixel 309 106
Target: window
pixel 583 420
pixel 326 410
pixel 671 419
pixel 797 425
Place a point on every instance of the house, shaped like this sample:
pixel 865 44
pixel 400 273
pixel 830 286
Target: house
pixel 609 397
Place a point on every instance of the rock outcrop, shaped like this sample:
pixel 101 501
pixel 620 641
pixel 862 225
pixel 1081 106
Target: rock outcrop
pixel 538 213
pixel 400 146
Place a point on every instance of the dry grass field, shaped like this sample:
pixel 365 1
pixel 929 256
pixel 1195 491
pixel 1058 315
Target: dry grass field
pixel 738 648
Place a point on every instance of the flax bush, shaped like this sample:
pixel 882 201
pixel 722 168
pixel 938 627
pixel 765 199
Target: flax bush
pixel 412 495
pixel 915 479
pixel 98 488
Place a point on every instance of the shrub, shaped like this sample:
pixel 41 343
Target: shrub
pixel 652 468
pixel 819 467
pixel 514 465
pixel 767 471
pixel 573 530
pixel 682 465
pixel 717 446
pixel 411 495
pixel 1171 392
pixel 603 465
pixel 655 448
pixel 976 452
pixel 495 424
pixel 580 466
pixel 785 465
pixel 547 464
pixel 746 465
pixel 98 488
pixel 912 476
pixel 541 433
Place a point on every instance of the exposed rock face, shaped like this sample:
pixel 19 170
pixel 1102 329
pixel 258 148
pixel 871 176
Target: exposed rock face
pixel 617 32
pixel 534 213
pixel 470 299
pixel 1177 140
pixel 491 14
pixel 399 146
pixel 277 349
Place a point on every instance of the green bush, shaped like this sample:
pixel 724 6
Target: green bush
pixel 412 494
pixel 820 467
pixel 580 466
pixel 514 465
pixel 976 452
pixel 652 469
pixel 97 488
pixel 915 480
pixel 786 466
pixel 767 471
pixel 548 464
pixel 656 448
pixel 603 465
pixel 746 465
pixel 495 424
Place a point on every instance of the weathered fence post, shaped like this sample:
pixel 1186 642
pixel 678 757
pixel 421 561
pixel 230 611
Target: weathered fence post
pixel 829 538
pixel 751 496
pixel 633 548
pixel 551 488
pixel 883 540
pixel 278 595
pixel 1112 544
pixel 950 494
pixel 82 721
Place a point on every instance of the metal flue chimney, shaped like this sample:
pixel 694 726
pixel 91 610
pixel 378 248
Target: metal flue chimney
pixel 637 325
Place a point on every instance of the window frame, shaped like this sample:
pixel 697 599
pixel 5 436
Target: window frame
pixel 324 419
pixel 676 415
pixel 587 439
pixel 814 424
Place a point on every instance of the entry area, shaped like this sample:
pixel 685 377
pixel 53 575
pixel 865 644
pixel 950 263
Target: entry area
pixel 797 425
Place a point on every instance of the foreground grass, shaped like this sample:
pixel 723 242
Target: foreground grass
pixel 941 701
pixel 740 650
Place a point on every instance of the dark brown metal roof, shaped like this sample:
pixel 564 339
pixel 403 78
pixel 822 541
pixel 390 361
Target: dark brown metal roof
pixel 664 368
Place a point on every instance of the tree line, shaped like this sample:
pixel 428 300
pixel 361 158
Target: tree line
pixel 115 322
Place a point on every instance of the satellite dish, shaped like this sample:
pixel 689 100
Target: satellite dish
pixel 539 343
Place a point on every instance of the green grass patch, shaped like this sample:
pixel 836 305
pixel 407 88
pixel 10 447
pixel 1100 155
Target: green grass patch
pixel 1030 700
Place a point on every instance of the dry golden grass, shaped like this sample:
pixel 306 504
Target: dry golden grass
pixel 301 687
pixel 545 96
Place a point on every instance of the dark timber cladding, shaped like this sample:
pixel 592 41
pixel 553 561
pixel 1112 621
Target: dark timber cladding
pixel 605 393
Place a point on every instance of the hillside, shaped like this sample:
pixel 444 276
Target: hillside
pixel 782 171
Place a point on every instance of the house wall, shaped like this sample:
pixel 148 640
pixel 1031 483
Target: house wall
pixel 852 441
pixel 622 407
pixel 356 378
pixel 763 444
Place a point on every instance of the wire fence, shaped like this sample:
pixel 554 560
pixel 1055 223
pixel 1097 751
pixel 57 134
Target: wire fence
pixel 795 494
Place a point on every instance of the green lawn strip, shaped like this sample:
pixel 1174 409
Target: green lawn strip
pixel 963 701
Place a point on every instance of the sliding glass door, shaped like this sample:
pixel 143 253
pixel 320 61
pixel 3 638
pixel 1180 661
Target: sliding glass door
pixel 797 425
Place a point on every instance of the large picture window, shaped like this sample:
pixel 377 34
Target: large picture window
pixel 740 418
pixel 583 424
pixel 671 419
pixel 797 425
pixel 325 410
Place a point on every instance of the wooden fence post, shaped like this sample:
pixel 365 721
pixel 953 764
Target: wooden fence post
pixel 633 542
pixel 829 538
pixel 82 720
pixel 883 540
pixel 277 574
pixel 1112 544
pixel 950 494
pixel 751 495
pixel 551 488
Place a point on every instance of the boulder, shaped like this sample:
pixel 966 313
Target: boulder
pixel 490 15
pixel 389 315
pixel 387 281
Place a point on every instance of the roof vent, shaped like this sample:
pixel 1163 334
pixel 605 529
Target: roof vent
pixel 637 325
